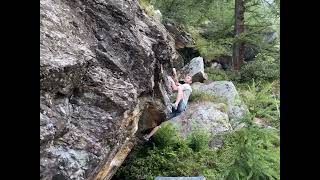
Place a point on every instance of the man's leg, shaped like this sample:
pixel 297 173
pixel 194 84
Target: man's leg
pixel 154 130
pixel 181 107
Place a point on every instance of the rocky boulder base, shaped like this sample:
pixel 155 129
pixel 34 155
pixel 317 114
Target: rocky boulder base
pixel 102 65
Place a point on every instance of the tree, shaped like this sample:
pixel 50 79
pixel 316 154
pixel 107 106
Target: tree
pixel 238 46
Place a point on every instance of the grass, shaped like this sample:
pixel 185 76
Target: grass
pixel 198 96
pixel 263 101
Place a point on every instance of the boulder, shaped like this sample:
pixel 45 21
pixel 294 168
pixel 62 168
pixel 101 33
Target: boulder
pixel 270 36
pixel 226 91
pixel 216 65
pixel 102 65
pixel 250 52
pixel 195 68
pixel 224 60
pixel 204 114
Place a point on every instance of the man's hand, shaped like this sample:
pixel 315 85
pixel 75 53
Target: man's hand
pixel 175 78
pixel 174 71
pixel 174 74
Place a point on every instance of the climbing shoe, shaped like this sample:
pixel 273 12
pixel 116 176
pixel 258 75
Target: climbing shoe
pixel 174 107
pixel 145 138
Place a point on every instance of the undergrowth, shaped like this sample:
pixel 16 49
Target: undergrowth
pixel 215 74
pixel 263 101
pixel 248 153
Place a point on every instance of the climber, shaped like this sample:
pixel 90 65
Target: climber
pixel 184 91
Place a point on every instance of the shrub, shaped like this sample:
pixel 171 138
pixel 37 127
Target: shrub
pixel 248 153
pixel 166 136
pixel 199 139
pixel 168 159
pixel 262 102
pixel 260 71
pixel 216 74
pixel 257 154
pixel 234 76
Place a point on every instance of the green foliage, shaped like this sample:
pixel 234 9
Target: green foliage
pixel 216 74
pixel 263 101
pixel 210 24
pixel 234 76
pixel 257 154
pixel 166 136
pixel 260 71
pixel 205 96
pixel 247 153
pixel 213 48
pixel 199 139
pixel 145 5
pixel 176 158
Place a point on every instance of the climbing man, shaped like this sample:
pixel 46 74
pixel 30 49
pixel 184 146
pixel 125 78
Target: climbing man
pixel 184 91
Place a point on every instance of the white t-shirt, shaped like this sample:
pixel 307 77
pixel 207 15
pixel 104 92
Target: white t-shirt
pixel 187 90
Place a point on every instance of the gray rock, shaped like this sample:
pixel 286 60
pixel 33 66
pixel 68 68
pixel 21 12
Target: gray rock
pixel 102 65
pixel 226 91
pixel 224 60
pixel 250 51
pixel 270 37
pixel 207 115
pixel 195 68
pixel 216 65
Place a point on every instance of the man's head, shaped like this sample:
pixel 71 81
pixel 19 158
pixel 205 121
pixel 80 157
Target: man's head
pixel 188 79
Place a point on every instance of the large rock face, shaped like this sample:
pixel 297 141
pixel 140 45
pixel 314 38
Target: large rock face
pixel 182 38
pixel 101 68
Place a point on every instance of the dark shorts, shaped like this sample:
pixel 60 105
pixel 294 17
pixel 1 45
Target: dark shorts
pixel 175 112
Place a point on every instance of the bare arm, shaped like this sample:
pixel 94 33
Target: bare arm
pixel 175 78
pixel 174 82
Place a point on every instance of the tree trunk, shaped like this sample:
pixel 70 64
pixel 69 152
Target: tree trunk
pixel 238 46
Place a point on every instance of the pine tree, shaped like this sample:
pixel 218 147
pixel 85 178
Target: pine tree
pixel 238 47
